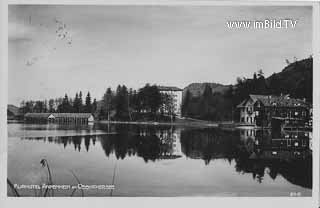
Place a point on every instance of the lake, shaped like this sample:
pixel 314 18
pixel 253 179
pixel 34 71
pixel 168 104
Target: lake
pixel 142 160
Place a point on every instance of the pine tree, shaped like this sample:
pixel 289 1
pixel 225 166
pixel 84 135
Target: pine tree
pixel 65 106
pixel 80 103
pixel 94 106
pixel 76 104
pixel 108 100
pixel 88 106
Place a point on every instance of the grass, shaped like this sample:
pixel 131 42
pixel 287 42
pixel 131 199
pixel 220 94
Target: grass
pixel 44 163
pixel 113 177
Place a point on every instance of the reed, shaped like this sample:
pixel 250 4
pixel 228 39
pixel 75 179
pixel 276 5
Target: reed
pixel 113 177
pixel 77 179
pixel 14 190
pixel 44 164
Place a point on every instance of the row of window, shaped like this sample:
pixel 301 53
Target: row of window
pixel 248 119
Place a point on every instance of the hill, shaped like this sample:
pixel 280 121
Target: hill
pixel 13 112
pixel 197 89
pixel 295 79
pixel 203 101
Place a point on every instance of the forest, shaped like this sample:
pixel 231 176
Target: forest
pixel 122 104
pixel 295 79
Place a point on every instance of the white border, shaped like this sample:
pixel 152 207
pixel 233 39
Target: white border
pixel 155 201
pixel 316 99
pixel 168 2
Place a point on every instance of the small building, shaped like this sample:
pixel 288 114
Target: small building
pixel 176 94
pixel 260 110
pixel 74 118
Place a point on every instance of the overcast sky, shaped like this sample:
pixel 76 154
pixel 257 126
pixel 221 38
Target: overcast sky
pixel 134 45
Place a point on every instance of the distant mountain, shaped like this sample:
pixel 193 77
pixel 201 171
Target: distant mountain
pixel 13 110
pixel 197 89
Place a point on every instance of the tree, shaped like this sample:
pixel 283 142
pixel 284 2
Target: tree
pixel 51 106
pixel 254 76
pixel 185 103
pixel 121 103
pixel 205 102
pixel 94 106
pixel 80 102
pixel 77 104
pixel 288 62
pixel 107 103
pixel 150 98
pixel 39 107
pixel 88 105
pixel 26 106
pixel 65 106
pixel 260 73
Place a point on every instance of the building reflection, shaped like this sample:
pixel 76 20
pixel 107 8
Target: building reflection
pixel 143 141
pixel 251 151
pixel 286 153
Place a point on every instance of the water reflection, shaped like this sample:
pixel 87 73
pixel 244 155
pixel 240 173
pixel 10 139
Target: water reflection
pixel 254 151
pixel 283 153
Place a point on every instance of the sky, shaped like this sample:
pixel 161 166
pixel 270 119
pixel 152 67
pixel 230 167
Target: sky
pixel 134 45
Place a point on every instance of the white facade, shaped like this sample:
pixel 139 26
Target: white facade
pixel 91 119
pixel 247 113
pixel 176 93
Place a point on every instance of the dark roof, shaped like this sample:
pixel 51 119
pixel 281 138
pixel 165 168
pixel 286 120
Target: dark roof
pixel 169 88
pixel 58 115
pixel 242 104
pixel 77 115
pixel 277 101
pixel 37 115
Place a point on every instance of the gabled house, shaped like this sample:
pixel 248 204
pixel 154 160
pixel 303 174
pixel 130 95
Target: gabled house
pixel 259 110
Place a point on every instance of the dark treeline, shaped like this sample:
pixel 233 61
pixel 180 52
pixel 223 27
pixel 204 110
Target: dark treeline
pixel 295 80
pixel 147 103
pixel 209 106
pixel 122 104
pixel 61 105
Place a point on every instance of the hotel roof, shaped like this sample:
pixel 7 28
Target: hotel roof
pixel 169 88
pixel 276 101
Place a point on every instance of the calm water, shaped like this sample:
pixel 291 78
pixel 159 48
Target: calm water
pixel 161 161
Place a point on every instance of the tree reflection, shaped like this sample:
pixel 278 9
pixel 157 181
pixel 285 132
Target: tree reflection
pixel 146 142
pixel 250 151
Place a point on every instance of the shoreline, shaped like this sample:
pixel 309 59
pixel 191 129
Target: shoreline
pixel 155 123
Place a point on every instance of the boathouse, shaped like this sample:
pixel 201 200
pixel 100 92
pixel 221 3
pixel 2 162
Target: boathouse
pixel 260 110
pixel 74 118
